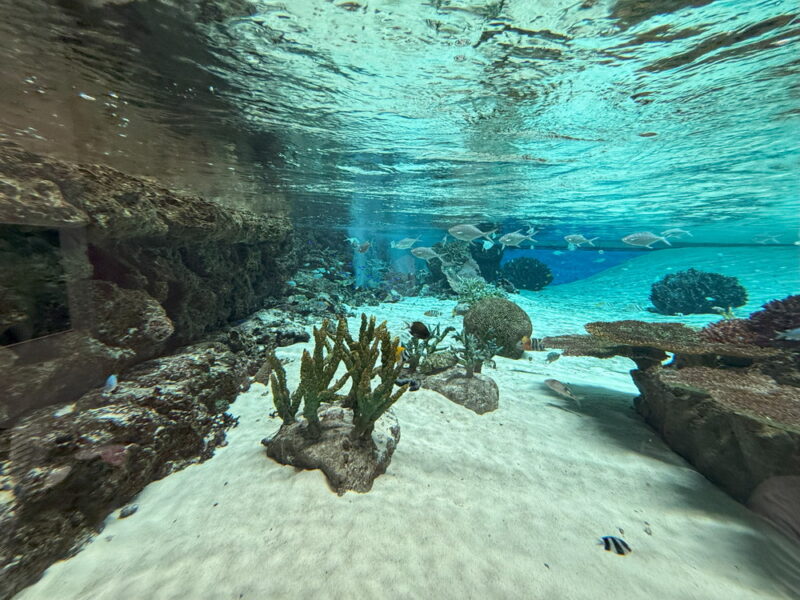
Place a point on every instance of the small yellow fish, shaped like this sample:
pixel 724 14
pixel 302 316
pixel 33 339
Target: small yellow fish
pixel 398 355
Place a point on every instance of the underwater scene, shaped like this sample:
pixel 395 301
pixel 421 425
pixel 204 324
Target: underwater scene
pixel 399 299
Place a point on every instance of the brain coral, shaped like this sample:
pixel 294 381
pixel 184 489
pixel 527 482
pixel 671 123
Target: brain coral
pixel 499 320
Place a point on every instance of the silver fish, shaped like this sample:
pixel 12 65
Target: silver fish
pixel 516 238
pixel 404 244
pixel 468 233
pixel 561 389
pixel 426 253
pixel 577 239
pixel 644 239
pixel 487 244
pixel 792 335
pixel 553 357
pixel 353 241
pixel 675 232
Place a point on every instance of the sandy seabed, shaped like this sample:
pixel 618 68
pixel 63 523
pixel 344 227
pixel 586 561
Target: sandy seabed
pixel 507 505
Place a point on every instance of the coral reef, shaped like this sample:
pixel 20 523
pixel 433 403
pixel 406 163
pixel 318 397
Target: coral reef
pixel 487 259
pixel 726 402
pixel 696 292
pixel 473 289
pixel 501 321
pixel 425 352
pixel 65 468
pixel 527 273
pixel 473 352
pixel 146 270
pixel 314 443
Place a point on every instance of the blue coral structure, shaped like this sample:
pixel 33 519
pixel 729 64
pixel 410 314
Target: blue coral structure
pixel 527 273
pixel 696 292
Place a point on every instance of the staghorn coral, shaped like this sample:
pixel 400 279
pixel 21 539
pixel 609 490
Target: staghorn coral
pixel 696 292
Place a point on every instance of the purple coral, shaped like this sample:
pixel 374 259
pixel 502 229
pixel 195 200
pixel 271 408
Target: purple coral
pixel 773 318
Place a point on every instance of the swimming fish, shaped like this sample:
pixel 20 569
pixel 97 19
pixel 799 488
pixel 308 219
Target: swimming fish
pixel 404 244
pixel 487 244
pixel 575 240
pixel 644 239
pixel 792 335
pixel 468 233
pixel 111 384
pixel 419 330
pixel 363 247
pixel 353 241
pixel 516 238
pixel 528 344
pixel 615 545
pixel 553 357
pixel 413 384
pixel 557 252
pixel 675 232
pixel 426 253
pixel 560 388
pixel 432 313
pixel 399 354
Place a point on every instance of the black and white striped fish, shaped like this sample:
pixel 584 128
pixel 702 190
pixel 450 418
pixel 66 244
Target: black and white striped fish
pixel 615 545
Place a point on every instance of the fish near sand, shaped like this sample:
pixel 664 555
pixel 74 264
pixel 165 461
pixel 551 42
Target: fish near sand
pixel 562 389
pixel 552 357
pixel 468 233
pixel 426 253
pixel 516 238
pixel 419 330
pixel 576 240
pixel 615 545
pixel 644 239
pixel 432 313
pixel 404 244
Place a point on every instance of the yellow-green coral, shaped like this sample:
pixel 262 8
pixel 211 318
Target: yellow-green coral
pixel 318 368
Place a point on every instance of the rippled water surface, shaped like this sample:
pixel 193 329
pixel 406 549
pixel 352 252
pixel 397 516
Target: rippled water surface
pixel 398 114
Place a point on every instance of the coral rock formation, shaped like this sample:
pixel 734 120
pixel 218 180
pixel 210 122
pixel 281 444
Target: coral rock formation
pixel 730 406
pixel 499 320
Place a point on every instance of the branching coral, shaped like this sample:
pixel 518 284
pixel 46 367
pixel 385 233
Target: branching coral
pixel 419 350
pixel 318 368
pixel 527 273
pixel 474 353
pixel 696 292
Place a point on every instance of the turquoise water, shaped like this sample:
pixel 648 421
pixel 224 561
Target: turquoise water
pixel 393 115
pixel 363 123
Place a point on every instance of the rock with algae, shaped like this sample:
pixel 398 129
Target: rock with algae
pixel 731 408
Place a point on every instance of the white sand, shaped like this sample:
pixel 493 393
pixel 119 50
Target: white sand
pixel 501 506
